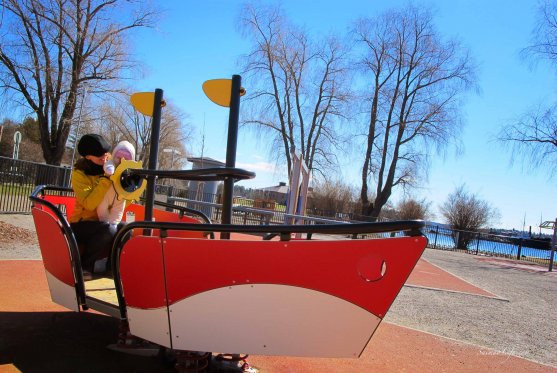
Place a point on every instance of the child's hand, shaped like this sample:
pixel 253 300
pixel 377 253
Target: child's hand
pixel 109 168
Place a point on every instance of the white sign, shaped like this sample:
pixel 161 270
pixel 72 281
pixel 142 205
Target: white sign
pixel 17 140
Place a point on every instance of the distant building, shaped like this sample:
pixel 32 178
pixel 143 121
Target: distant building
pixel 204 190
pixel 204 162
pixel 280 188
pixel 277 193
pixel 266 197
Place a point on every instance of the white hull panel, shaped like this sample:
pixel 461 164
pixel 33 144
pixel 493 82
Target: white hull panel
pixel 269 319
pixel 62 293
pixel 150 324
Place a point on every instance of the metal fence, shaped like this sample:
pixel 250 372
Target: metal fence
pixel 479 243
pixel 18 178
pixel 249 215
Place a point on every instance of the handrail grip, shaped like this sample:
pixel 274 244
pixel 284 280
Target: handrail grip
pixel 342 228
pixel 39 190
pixel 202 174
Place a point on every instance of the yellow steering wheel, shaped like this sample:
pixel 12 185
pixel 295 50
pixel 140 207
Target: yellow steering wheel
pixel 130 195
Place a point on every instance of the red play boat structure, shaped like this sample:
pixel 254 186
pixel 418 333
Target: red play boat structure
pixel 187 285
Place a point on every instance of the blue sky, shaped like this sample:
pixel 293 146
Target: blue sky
pixel 196 41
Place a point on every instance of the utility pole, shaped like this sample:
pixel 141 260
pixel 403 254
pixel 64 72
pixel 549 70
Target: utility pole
pixel 551 225
pixel 553 243
pixel 78 125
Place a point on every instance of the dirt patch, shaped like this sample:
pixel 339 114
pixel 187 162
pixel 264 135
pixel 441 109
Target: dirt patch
pixel 13 234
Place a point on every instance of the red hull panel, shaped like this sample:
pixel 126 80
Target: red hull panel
pixel 368 273
pixel 54 247
pixel 166 216
pixel 141 271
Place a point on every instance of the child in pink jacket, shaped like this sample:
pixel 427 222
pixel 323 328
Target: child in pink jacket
pixel 111 208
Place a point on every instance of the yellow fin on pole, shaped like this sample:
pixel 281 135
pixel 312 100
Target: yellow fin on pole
pixel 144 102
pixel 219 91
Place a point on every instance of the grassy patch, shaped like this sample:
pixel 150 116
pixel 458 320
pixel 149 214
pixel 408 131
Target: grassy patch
pixel 16 189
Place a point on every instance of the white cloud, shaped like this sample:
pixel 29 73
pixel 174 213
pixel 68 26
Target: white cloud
pixel 257 166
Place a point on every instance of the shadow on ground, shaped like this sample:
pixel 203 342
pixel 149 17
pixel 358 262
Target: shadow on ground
pixel 66 342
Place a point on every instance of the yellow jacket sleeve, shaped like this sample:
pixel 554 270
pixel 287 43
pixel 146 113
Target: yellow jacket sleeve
pixel 89 192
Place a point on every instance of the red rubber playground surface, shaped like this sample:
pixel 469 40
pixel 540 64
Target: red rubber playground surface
pixel 36 335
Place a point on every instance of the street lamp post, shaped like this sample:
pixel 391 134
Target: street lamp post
pixel 78 125
pixel 173 151
pixel 551 225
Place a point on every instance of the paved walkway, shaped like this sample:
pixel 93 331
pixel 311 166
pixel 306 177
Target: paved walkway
pixel 430 276
pixel 38 336
pixel 521 265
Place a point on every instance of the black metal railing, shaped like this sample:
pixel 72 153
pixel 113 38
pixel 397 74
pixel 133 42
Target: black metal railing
pixel 18 178
pixel 249 215
pixel 481 243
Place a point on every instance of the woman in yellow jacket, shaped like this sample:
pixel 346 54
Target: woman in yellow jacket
pixel 90 184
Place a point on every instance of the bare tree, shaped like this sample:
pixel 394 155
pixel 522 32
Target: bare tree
pixel 466 213
pixel 120 121
pixel 50 48
pixel 297 87
pixel 411 209
pixel 544 36
pixel 413 84
pixel 534 135
pixel 333 196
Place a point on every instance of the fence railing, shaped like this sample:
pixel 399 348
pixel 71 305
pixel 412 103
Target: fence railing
pixel 18 178
pixel 479 243
pixel 249 215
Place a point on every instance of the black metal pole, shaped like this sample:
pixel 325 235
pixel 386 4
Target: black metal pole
pixel 231 145
pixel 153 156
pixel 553 244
